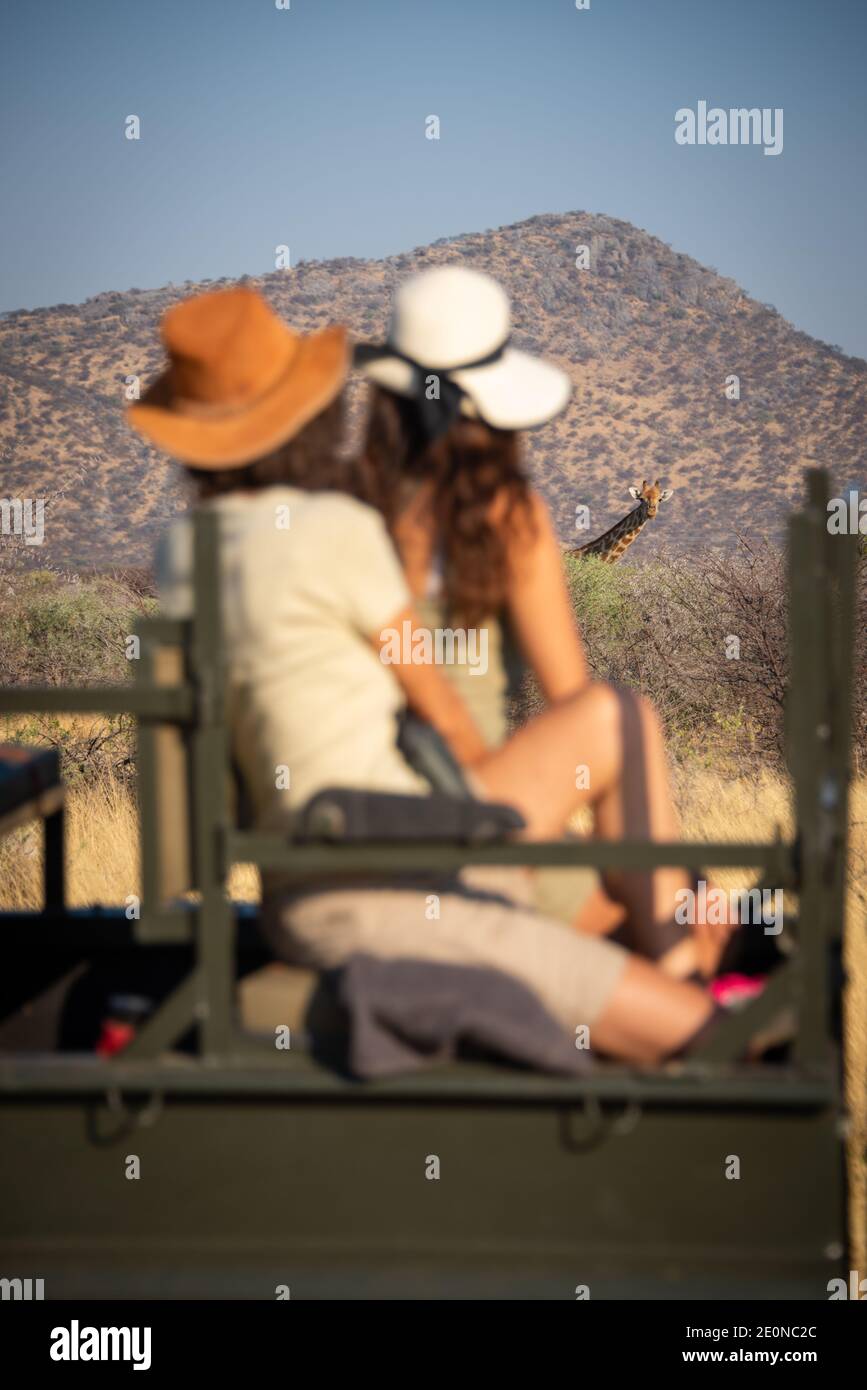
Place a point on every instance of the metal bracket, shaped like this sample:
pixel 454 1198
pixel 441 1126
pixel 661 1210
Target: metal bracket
pixel 130 1117
pixel 599 1128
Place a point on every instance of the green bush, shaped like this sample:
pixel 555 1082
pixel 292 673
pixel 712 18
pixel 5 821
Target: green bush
pixel 59 631
pixel 70 631
pixel 665 628
pixel 602 597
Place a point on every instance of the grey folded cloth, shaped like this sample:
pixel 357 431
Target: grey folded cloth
pixel 404 1014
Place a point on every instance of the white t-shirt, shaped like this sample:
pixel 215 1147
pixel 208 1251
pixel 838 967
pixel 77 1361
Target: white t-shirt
pixel 310 701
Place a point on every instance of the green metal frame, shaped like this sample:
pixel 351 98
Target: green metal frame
pixel 822 570
pixel 260 1157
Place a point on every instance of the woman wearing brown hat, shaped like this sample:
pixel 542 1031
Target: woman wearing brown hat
pixel 311 582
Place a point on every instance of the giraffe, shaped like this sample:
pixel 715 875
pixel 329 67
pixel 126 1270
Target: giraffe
pixel 612 543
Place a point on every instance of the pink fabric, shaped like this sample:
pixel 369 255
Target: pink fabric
pixel 735 989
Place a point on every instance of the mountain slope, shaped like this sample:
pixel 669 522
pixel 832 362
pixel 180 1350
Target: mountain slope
pixel 648 335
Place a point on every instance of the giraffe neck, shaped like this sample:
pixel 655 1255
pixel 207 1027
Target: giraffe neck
pixel 612 543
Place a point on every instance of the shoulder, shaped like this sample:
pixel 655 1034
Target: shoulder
pixel 357 564
pixel 526 528
pixel 533 514
pixel 539 513
pixel 341 504
pixel 338 514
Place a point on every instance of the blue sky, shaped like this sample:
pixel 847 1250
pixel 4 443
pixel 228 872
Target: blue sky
pixel 306 127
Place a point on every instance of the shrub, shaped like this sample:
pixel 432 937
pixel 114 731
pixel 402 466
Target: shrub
pixel 57 631
pixel 663 628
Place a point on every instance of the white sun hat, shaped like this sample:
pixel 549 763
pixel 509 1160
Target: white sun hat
pixel 453 324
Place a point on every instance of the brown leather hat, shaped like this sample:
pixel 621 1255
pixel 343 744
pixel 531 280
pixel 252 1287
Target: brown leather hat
pixel 239 381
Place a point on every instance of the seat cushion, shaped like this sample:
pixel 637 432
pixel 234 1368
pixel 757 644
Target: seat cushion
pixel 25 774
pixel 275 995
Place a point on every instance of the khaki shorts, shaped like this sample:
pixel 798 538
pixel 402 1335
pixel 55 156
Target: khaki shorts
pixel 573 975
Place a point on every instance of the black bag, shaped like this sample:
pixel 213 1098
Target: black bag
pixel 427 752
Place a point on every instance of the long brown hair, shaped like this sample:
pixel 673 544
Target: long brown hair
pixel 471 468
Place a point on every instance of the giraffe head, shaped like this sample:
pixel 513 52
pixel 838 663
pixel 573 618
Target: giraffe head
pixel 652 494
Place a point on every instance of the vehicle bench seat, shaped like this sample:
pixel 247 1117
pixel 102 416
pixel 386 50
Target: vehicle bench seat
pixel 30 785
pixel 274 996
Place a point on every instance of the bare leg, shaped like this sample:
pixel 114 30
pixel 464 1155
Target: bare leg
pixel 649 1016
pixel 536 769
pixel 640 805
pixel 614 735
pixel 602 915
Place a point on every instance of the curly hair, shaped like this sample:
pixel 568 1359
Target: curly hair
pixel 309 460
pixel 471 468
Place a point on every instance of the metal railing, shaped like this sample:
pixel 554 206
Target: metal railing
pixel 812 864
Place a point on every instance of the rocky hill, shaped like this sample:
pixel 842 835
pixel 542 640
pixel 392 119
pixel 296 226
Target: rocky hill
pixel 649 336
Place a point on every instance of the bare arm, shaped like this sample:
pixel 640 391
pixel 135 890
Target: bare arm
pixel 540 609
pixel 431 695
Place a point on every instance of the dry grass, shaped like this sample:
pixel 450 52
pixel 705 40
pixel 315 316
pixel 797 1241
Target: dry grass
pixel 713 808
pixel 102 863
pixel 103 868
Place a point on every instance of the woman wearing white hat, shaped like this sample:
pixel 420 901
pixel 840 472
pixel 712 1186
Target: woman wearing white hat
pixel 441 462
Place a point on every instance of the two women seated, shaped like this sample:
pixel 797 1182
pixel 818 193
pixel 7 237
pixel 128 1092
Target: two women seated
pixel 433 527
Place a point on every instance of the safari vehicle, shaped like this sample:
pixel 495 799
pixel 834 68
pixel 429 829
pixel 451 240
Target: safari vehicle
pixel 265 1170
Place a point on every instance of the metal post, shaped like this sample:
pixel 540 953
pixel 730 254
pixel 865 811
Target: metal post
pixel 209 751
pixel 841 563
pixel 146 789
pixel 54 863
pixel 809 739
pixel 163 778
